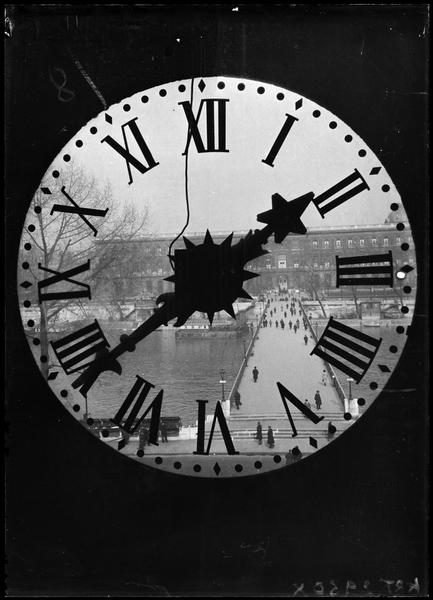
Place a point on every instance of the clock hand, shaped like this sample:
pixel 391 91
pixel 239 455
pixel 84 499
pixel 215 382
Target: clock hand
pixel 208 278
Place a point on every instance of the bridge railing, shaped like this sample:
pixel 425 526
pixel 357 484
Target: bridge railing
pixel 245 359
pixel 337 385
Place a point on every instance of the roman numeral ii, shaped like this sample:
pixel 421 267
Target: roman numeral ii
pixel 342 191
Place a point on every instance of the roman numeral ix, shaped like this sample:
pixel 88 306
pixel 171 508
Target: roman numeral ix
pixel 66 276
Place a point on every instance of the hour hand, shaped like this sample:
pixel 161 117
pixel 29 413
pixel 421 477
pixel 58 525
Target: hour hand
pixel 107 359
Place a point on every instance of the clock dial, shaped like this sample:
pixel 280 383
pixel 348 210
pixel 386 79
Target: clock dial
pixel 216 277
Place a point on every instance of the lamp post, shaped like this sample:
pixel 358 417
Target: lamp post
pixel 349 379
pixel 222 382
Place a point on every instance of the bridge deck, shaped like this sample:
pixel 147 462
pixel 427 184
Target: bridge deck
pixel 281 355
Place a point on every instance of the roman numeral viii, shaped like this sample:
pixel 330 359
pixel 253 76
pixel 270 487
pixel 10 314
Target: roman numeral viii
pixel 215 128
pixel 123 150
pixel 373 269
pixel 346 348
pixel 342 191
pixel 73 350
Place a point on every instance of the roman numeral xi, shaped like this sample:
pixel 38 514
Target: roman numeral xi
pixel 346 348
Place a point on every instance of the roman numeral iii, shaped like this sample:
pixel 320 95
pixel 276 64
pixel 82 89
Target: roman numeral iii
pixel 373 269
pixel 215 128
pixel 346 348
pixel 342 191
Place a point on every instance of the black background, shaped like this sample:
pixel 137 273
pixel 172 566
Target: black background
pixel 84 520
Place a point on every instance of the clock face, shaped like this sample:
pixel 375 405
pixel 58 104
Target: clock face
pixel 216 277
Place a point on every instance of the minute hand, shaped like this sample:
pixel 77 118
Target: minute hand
pixel 107 361
pixel 282 219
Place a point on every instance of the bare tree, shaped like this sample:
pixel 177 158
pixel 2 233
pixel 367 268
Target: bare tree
pixel 63 240
pixel 313 286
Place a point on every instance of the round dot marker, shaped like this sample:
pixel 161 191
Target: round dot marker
pixel 238 468
pixel 76 408
pixel 197 468
pixel 27 246
pixel 145 99
pixel 361 401
pixel 93 130
pixel 177 465
pixel 260 90
pixel 373 385
pixel 221 85
pixel 332 125
pixel 385 188
pixel 241 87
pixel 348 138
pixel 163 93
pixel 258 464
pixel 158 460
pixel 316 114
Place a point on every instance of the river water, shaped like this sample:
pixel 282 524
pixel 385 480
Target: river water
pixel 188 369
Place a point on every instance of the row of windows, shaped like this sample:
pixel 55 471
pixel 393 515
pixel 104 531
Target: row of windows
pixel 282 264
pixel 361 243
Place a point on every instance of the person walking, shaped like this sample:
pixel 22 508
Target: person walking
pixel 271 440
pixel 259 433
pixel 290 325
pixel 318 400
pixel 295 329
pixel 285 315
pixel 282 323
pixel 255 374
pixel 324 377
pixel 163 430
pixel 276 323
pixel 307 404
pixel 305 339
pixel 270 322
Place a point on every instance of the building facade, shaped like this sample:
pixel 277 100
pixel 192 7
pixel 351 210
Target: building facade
pixel 304 262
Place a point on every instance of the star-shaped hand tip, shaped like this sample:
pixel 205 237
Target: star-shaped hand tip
pixel 285 217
